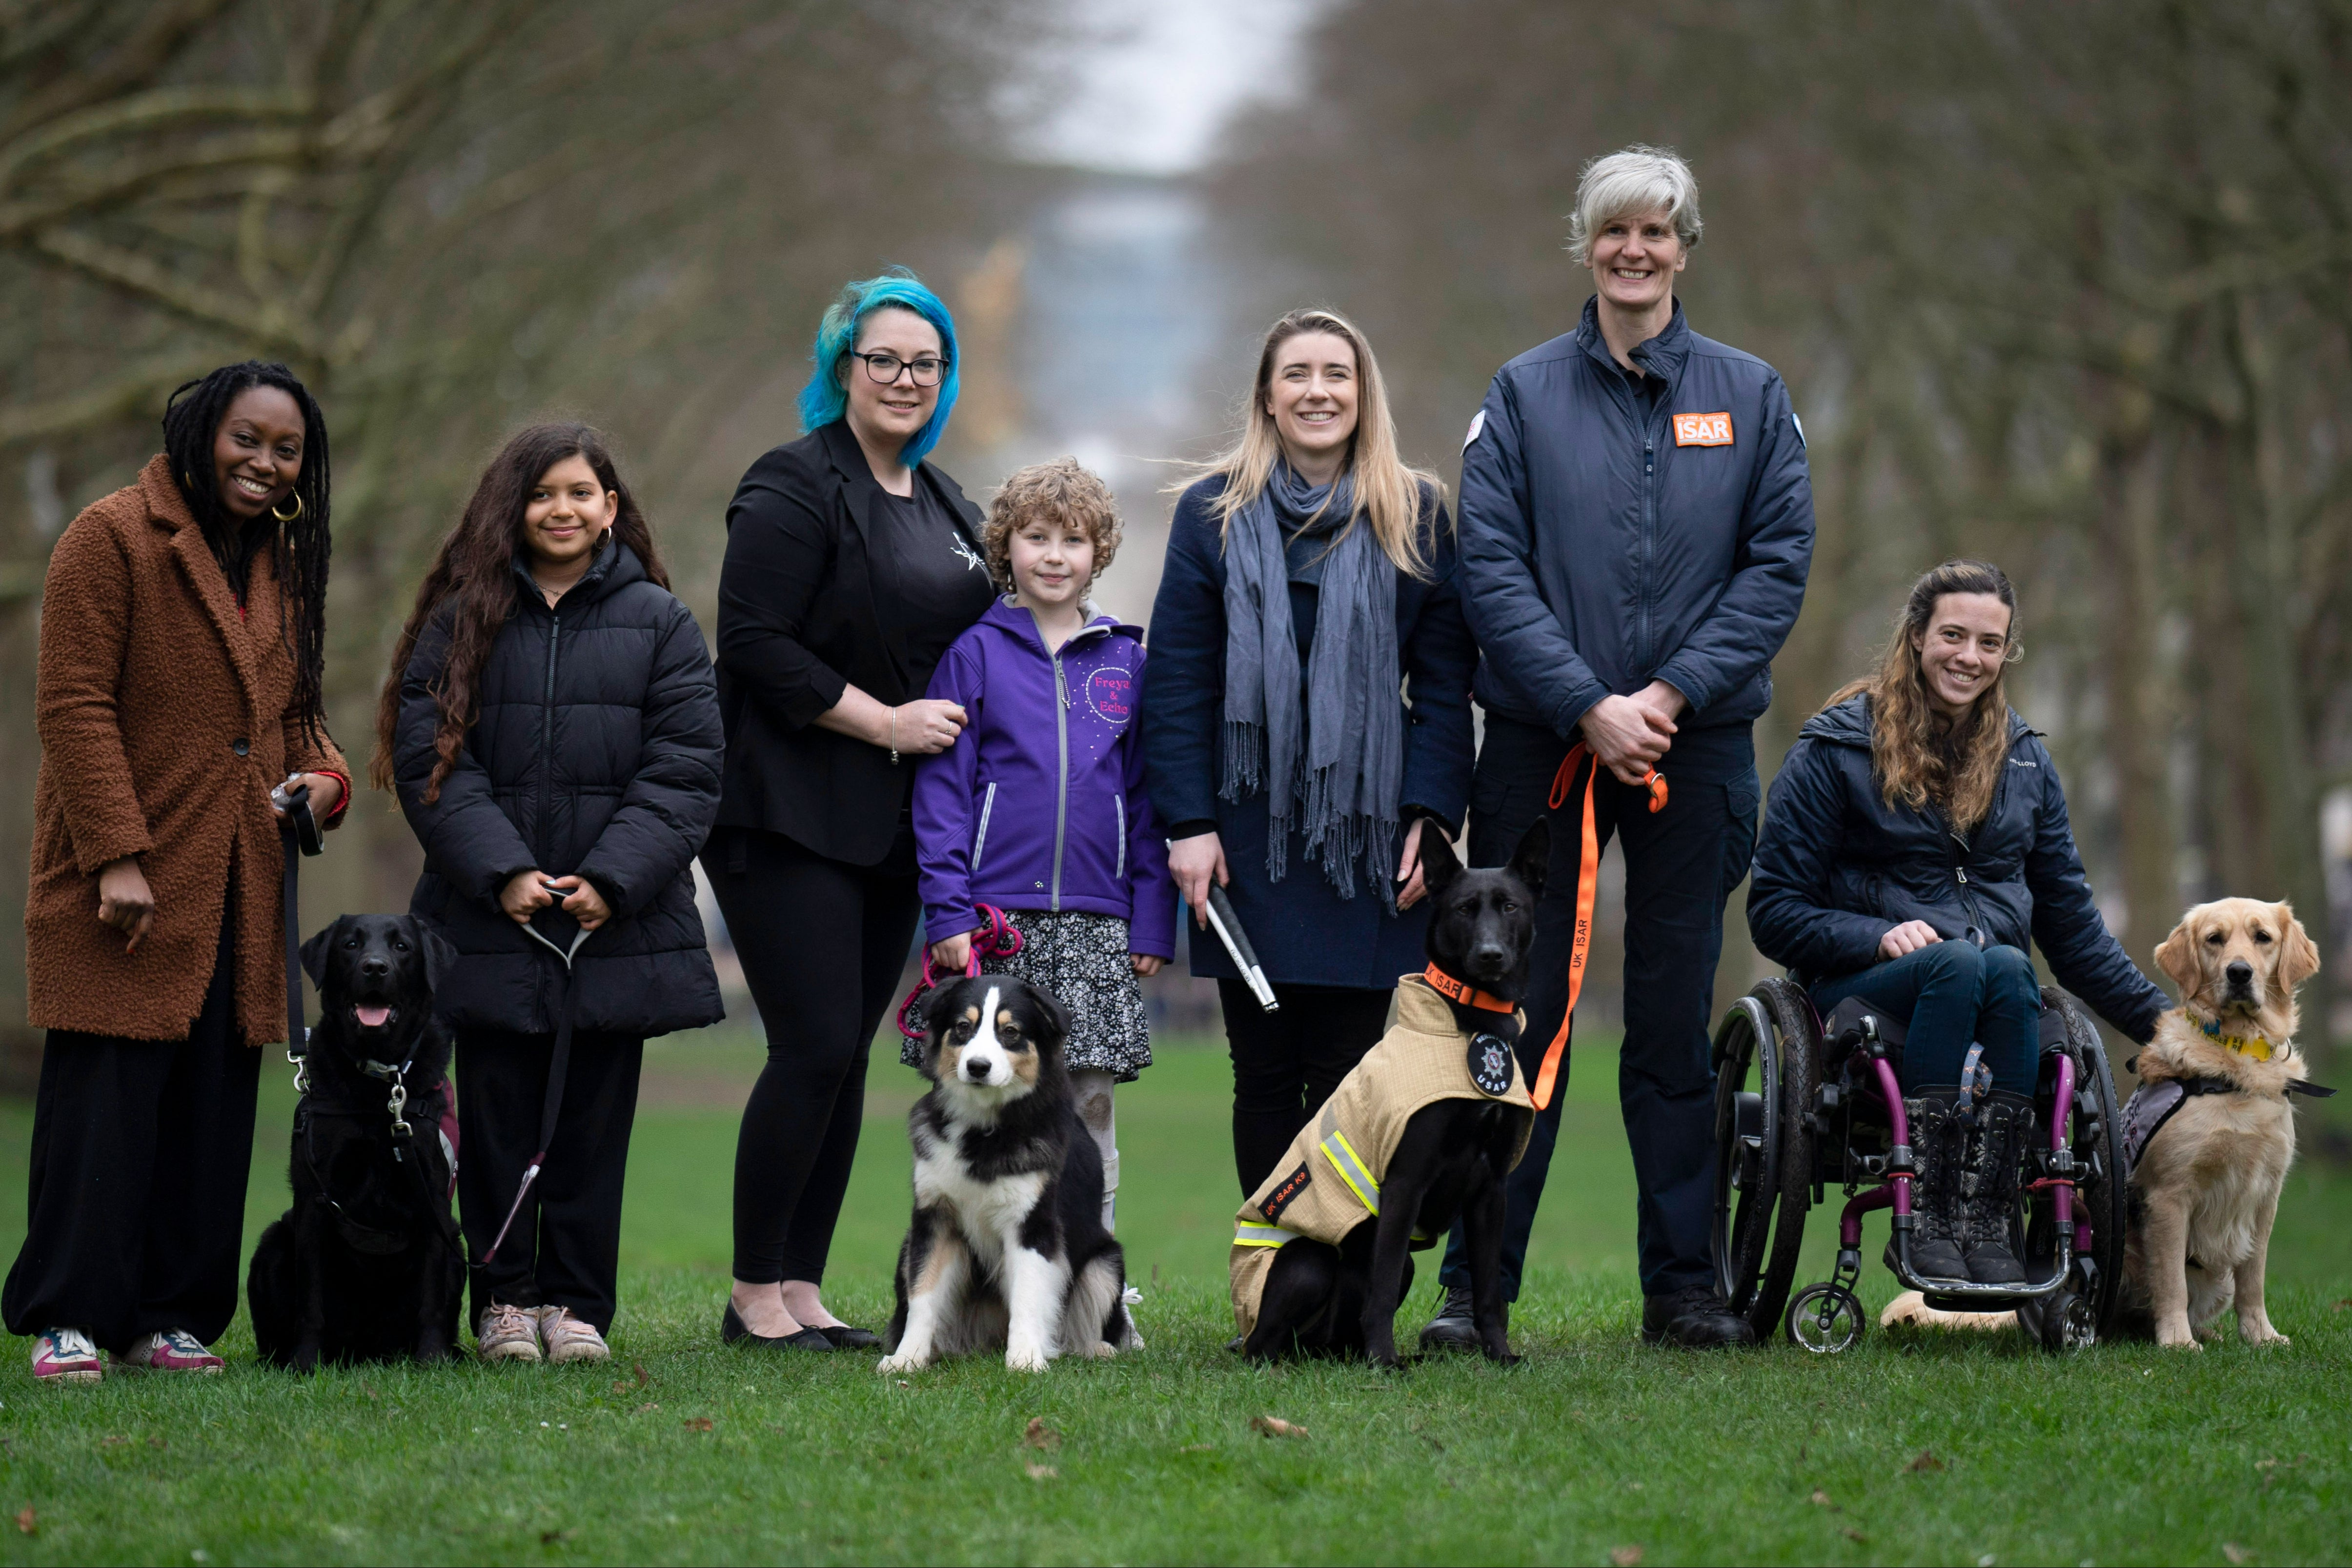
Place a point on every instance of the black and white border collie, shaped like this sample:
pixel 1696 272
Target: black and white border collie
pixel 1006 1249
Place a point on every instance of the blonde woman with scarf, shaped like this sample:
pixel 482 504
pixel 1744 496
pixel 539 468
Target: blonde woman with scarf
pixel 1307 717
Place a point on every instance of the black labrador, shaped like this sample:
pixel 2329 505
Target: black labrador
pixel 1450 1163
pixel 367 1265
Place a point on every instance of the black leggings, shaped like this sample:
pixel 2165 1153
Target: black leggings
pixel 1286 1063
pixel 822 946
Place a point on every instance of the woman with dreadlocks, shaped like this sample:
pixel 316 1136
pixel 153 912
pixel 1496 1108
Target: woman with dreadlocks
pixel 182 649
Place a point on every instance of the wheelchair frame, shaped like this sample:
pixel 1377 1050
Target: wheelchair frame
pixel 1780 1145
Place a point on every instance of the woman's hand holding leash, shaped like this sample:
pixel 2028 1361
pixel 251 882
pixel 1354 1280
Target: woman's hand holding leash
pixel 125 900
pixel 1630 734
pixel 1194 862
pixel 951 954
pixel 1908 937
pixel 326 791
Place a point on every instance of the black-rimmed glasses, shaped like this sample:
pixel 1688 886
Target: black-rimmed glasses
pixel 885 368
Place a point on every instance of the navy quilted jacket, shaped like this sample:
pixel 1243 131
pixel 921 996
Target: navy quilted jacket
pixel 595 751
pixel 1620 530
pixel 1837 868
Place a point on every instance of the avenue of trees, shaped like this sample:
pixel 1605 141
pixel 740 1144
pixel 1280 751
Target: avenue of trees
pixel 2066 285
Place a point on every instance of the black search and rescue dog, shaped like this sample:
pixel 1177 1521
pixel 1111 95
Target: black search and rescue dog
pixel 1006 1250
pixel 367 1265
pixel 1450 1163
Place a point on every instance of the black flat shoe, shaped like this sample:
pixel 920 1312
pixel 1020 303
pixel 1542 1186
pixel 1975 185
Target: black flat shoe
pixel 733 1331
pixel 845 1337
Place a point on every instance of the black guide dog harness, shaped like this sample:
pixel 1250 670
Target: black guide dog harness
pixel 300 830
pixel 2153 1103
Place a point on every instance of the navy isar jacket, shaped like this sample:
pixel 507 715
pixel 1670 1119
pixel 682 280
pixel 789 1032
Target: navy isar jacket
pixel 1837 868
pixel 1305 932
pixel 594 751
pixel 1613 534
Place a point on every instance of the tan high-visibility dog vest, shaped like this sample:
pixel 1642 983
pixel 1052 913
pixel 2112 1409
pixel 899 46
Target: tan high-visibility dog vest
pixel 1328 1181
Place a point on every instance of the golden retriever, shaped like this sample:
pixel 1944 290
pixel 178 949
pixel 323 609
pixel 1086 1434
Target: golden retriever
pixel 2206 1187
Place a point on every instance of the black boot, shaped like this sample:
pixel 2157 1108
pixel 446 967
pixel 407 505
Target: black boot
pixel 1935 1196
pixel 1988 1187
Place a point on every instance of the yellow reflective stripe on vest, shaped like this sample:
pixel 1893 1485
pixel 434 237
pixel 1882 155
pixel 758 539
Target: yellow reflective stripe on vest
pixel 1247 1235
pixel 1342 1156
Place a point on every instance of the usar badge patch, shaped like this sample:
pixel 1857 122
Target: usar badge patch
pixel 1703 429
pixel 1490 1064
pixel 1284 1195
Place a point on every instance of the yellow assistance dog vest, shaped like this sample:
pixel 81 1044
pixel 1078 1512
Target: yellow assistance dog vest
pixel 1328 1181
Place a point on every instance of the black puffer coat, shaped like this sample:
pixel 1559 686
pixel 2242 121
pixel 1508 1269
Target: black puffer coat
pixel 596 751
pixel 1837 868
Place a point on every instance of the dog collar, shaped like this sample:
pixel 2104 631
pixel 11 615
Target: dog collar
pixel 2251 1045
pixel 1461 992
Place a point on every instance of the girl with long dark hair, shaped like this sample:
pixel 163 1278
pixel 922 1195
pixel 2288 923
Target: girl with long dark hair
pixel 550 725
pixel 1915 849
pixel 183 636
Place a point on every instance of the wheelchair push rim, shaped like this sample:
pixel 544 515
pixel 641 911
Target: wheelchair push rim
pixel 1764 1148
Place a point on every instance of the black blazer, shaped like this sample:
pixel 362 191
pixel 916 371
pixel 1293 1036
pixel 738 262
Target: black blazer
pixel 804 609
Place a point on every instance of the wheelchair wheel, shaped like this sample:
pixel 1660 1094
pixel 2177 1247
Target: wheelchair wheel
pixel 2076 1318
pixel 2062 1323
pixel 1826 1319
pixel 1764 1147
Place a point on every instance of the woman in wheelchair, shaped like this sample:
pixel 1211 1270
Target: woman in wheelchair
pixel 1916 846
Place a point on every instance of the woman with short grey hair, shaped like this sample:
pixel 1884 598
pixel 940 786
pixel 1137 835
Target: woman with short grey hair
pixel 1636 526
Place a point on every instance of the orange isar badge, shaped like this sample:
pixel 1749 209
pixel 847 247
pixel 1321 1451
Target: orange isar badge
pixel 1703 429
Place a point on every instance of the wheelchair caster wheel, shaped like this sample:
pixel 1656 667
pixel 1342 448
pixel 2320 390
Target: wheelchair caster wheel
pixel 2063 1323
pixel 1825 1319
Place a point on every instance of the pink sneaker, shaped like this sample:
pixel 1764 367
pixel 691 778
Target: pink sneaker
pixel 173 1350
pixel 67 1356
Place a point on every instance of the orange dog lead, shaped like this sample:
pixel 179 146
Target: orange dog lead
pixel 1587 878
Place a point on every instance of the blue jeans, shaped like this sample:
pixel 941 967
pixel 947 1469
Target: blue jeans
pixel 1956 994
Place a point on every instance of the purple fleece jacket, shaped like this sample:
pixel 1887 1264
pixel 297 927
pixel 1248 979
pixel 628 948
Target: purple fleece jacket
pixel 1040 803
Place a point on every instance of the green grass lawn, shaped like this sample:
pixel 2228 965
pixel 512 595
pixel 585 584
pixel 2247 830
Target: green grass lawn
pixel 1592 1450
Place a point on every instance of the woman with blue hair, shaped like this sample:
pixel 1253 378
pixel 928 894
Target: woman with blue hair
pixel 852 563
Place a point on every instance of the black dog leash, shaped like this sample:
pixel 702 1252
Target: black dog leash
pixel 558 1065
pixel 299 829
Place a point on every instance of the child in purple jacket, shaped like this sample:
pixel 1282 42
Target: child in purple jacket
pixel 1039 808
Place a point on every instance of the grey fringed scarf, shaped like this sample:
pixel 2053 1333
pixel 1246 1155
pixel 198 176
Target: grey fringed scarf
pixel 1341 762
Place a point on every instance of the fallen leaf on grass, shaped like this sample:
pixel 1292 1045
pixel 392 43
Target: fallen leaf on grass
pixel 1926 1462
pixel 1040 1436
pixel 1856 1536
pixel 156 1443
pixel 1624 1556
pixel 1038 1472
pixel 549 1537
pixel 2235 1552
pixel 639 1368
pixel 1276 1426
pixel 115 1442
pixel 1821 1499
pixel 2340 1306
pixel 647 1408
pixel 27 1521
pixel 698 1423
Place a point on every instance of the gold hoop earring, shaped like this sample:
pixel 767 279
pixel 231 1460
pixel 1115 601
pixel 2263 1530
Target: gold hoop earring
pixel 288 516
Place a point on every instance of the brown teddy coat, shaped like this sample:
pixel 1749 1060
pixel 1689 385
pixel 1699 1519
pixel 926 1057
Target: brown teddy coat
pixel 165 719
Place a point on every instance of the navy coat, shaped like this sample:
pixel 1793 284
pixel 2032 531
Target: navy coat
pixel 1837 868
pixel 1305 932
pixel 1606 545
pixel 595 750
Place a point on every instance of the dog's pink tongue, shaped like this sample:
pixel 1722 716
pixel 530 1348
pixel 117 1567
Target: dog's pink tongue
pixel 371 1017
